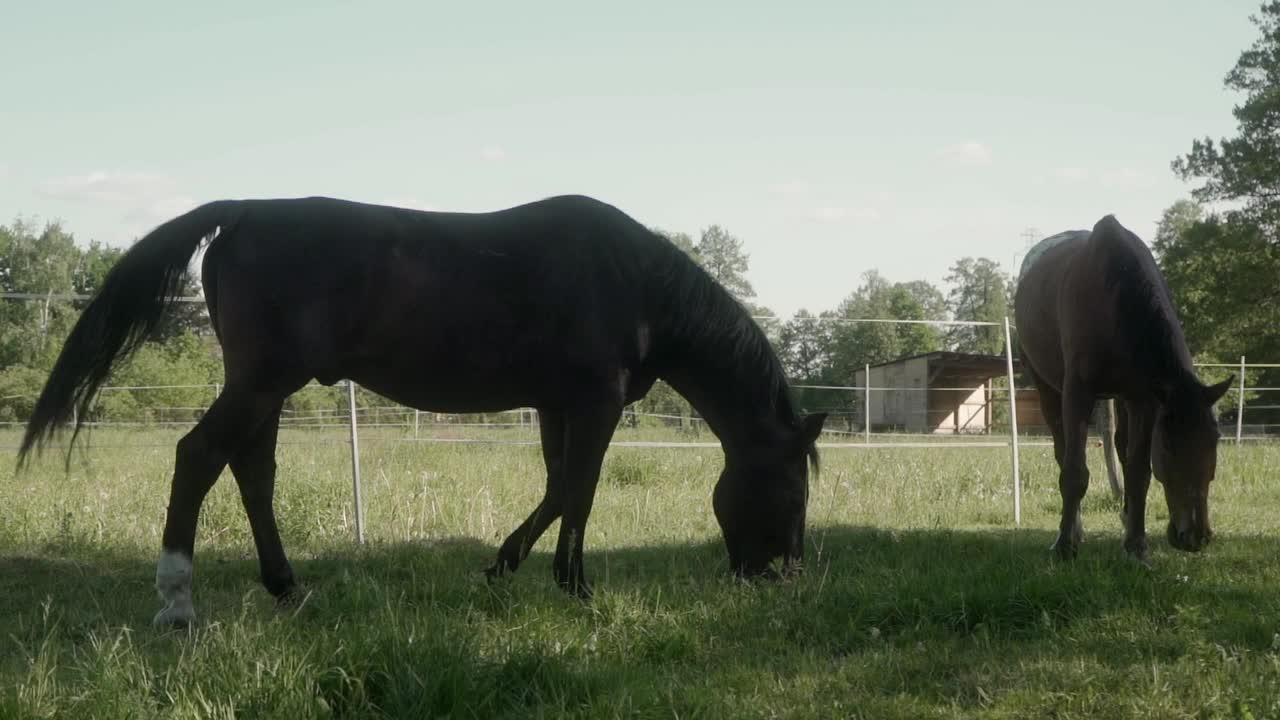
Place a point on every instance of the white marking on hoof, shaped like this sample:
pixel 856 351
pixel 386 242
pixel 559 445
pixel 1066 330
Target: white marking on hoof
pixel 173 583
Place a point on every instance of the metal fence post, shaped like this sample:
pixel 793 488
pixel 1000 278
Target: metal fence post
pixel 355 463
pixel 1013 424
pixel 866 404
pixel 1240 406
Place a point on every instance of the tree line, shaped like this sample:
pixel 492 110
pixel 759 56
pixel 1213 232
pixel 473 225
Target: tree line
pixel 1218 251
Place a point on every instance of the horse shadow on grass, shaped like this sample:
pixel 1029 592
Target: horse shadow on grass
pixel 863 590
pixel 1005 579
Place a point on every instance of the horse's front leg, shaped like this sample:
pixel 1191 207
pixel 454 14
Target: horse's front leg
pixel 1137 477
pixel 518 544
pixel 588 431
pixel 1073 478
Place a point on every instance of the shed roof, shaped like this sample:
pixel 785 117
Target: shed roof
pixel 947 368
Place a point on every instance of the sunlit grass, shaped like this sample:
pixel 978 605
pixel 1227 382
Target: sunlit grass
pixel 921 599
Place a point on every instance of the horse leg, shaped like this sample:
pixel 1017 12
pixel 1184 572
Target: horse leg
pixel 1107 429
pixel 1051 409
pixel 254 467
pixel 201 456
pixel 1073 480
pixel 1137 477
pixel 1122 430
pixel 587 434
pixel 517 545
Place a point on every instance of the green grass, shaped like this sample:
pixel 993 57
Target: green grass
pixel 921 599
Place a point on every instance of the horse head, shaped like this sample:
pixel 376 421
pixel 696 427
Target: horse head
pixel 1184 458
pixel 761 497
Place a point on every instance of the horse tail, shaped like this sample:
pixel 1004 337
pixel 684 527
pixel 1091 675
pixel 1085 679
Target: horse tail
pixel 122 314
pixel 1107 429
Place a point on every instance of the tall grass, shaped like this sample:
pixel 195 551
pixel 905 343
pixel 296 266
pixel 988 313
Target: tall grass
pixel 920 598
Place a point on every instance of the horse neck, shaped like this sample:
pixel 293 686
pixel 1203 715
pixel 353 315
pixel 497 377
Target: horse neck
pixel 1147 308
pixel 733 397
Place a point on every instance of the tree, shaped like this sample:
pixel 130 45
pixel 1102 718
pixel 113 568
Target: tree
pixel 856 344
pixel 1175 222
pixel 804 347
pixel 680 240
pixel 722 256
pixel 1245 169
pixel 933 305
pixel 41 264
pixel 980 293
pixel 1222 275
pixel 1223 278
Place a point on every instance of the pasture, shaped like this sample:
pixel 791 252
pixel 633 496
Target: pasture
pixel 920 598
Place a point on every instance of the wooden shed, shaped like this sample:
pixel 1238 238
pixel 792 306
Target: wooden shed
pixel 941 392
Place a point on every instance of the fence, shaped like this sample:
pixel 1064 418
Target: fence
pixel 854 407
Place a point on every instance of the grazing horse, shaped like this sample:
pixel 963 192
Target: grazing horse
pixel 1096 320
pixel 566 305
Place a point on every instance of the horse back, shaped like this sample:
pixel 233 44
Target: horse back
pixel 435 309
pixel 1097 307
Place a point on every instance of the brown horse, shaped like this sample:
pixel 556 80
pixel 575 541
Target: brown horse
pixel 1096 320
pixel 566 305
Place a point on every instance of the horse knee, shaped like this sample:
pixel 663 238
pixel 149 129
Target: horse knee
pixel 1074 480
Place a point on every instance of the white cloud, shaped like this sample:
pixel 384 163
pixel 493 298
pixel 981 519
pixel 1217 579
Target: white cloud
pixel 493 153
pixel 160 209
pixel 969 153
pixel 142 199
pixel 112 186
pixel 833 214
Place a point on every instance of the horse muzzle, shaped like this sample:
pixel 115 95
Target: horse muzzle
pixel 1189 539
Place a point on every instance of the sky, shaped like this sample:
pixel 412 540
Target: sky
pixel 833 138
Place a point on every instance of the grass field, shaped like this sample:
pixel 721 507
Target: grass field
pixel 920 600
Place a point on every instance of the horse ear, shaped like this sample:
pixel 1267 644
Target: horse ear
pixel 1214 393
pixel 808 432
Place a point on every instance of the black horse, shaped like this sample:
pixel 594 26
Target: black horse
pixel 1096 319
pixel 566 305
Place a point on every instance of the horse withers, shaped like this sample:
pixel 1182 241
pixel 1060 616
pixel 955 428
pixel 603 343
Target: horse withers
pixel 566 305
pixel 1096 320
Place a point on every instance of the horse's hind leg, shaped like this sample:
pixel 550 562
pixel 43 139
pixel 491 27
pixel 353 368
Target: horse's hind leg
pixel 588 431
pixel 254 466
pixel 1051 409
pixel 201 456
pixel 1073 480
pixel 517 545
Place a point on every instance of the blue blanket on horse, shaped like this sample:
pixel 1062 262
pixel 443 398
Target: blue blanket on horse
pixel 1041 247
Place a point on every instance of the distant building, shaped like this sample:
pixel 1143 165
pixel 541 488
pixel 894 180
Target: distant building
pixel 942 392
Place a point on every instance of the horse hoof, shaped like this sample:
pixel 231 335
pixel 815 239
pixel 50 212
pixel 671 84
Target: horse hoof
pixel 1136 548
pixel 174 617
pixel 578 588
pixel 1065 551
pixel 499 568
pixel 290 598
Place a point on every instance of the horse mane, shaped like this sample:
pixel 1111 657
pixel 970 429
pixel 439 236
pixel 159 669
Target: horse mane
pixel 704 319
pixel 1146 307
